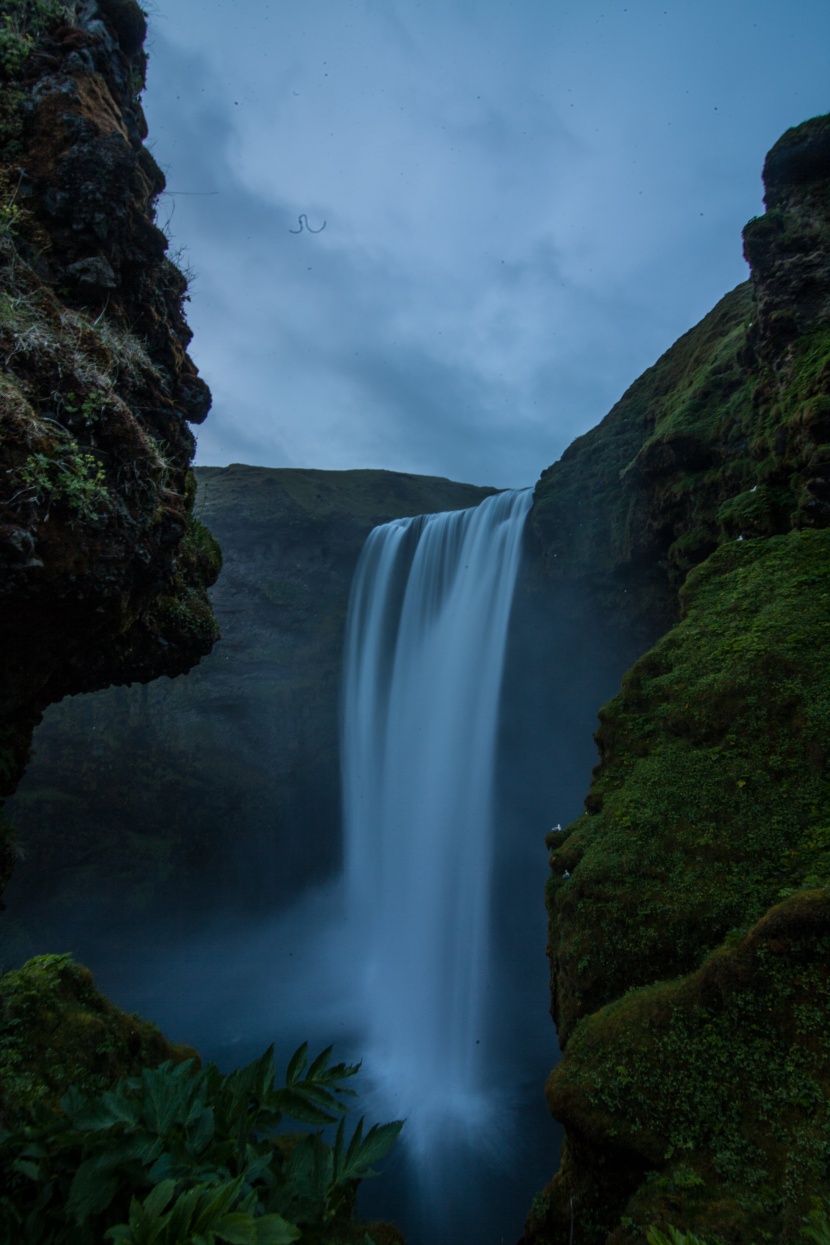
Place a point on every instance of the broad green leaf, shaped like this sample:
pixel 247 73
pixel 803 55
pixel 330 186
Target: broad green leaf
pixel 158 1199
pixel 332 1076
pixel 264 1074
pixel 201 1130
pixel 121 1232
pixel 236 1229
pixel 364 1151
pixel 96 1114
pixel 319 1094
pixel 298 1061
pixel 274 1230
pixel 93 1188
pixel 165 1099
pixel 299 1107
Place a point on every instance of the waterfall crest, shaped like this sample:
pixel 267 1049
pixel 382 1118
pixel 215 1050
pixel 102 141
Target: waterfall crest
pixel 425 646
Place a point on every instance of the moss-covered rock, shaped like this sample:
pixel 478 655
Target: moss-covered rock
pixel 694 1081
pixel 726 435
pixel 58 1031
pixel 706 1100
pixel 713 799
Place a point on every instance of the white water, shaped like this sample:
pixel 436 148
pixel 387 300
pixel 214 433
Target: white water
pixel 425 649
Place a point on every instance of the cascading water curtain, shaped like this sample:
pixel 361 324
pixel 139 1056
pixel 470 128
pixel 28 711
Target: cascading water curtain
pixel 425 649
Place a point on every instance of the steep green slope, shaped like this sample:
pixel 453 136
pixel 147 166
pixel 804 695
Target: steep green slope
pixel 689 913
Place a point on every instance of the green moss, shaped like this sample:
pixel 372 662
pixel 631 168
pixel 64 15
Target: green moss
pixel 717 1083
pixel 704 495
pixel 704 447
pixel 713 799
pixel 57 1031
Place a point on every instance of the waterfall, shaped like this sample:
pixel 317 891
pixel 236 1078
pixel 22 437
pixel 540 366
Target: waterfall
pixel 425 646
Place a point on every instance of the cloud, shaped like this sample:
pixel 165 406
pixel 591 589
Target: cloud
pixel 521 211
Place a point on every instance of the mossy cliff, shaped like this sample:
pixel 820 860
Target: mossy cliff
pixel 225 785
pixel 103 569
pixel 689 906
pixel 59 1032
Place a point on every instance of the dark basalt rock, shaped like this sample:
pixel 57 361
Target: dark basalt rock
pixel 787 246
pixel 105 568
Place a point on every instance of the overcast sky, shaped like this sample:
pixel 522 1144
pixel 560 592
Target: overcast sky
pixel 518 205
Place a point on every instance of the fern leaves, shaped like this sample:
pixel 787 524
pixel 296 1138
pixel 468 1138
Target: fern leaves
pixel 186 1156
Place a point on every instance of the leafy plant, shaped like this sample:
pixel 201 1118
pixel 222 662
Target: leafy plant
pixel 20 23
pixel 90 408
pixel 15 45
pixel 186 1156
pixel 672 1237
pixel 817 1227
pixel 71 475
pixel 10 213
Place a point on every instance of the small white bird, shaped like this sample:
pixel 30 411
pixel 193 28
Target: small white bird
pixel 566 874
pixel 556 829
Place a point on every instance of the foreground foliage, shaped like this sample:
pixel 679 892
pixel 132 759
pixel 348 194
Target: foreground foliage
pixel 186 1156
pixel 816 1229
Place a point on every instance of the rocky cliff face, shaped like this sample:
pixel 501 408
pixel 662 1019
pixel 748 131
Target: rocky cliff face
pixel 104 569
pixel 225 785
pixel 689 911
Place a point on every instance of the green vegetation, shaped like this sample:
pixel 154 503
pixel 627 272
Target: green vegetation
pixel 185 1154
pixel 690 906
pixel 717 1083
pixel 71 476
pixel 672 1237
pixel 171 1153
pixel 713 801
pixel 816 1228
pixel 21 21
pixel 58 1031
pixel 633 504
pixel 705 447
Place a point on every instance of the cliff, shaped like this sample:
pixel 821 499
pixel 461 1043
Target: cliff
pixel 689 930
pixel 104 569
pixel 688 907
pixel 225 785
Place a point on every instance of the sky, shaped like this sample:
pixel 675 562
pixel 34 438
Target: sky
pixel 444 236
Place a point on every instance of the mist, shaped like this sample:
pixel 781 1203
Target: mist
pixel 232 977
